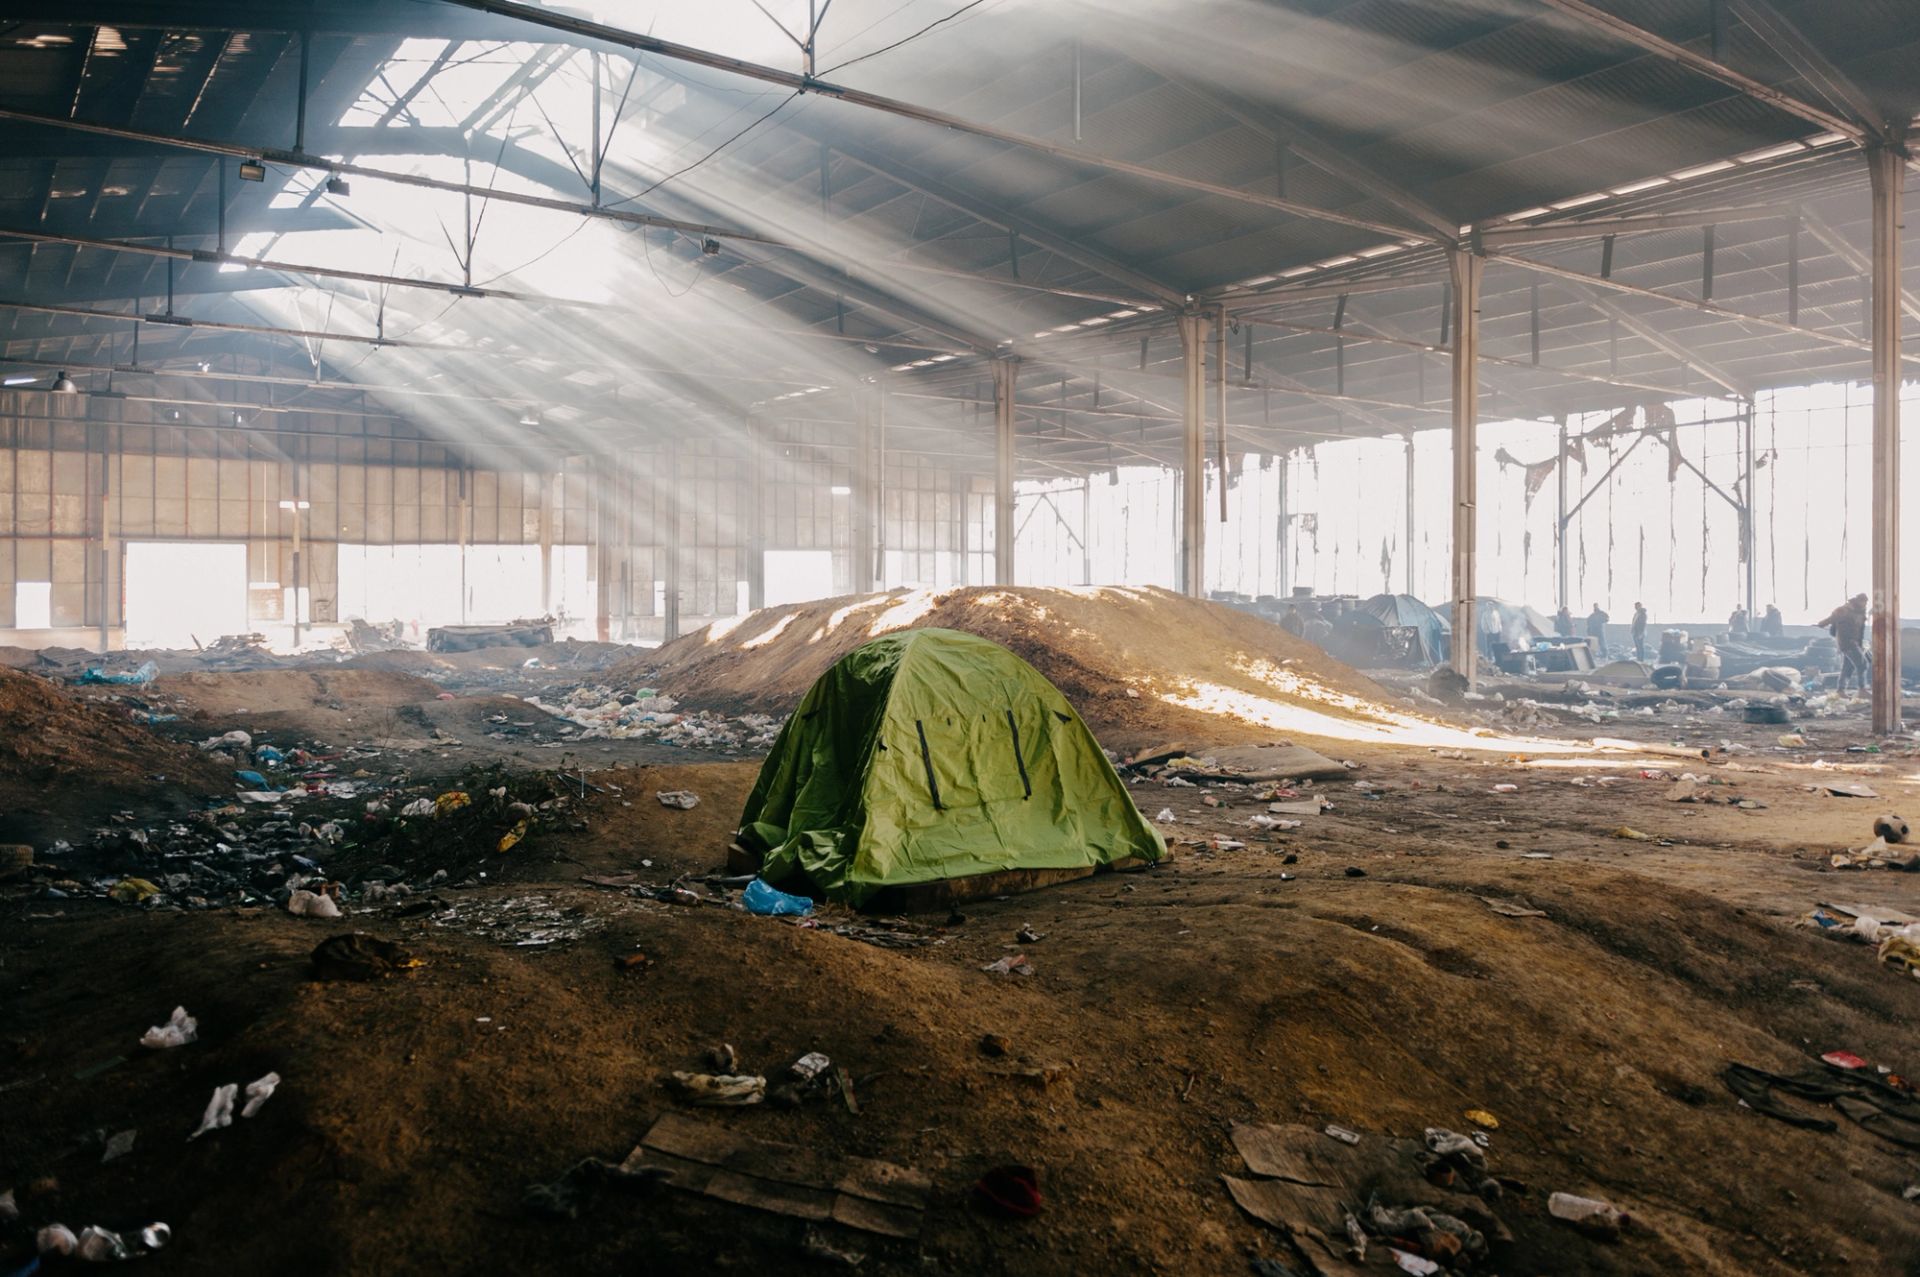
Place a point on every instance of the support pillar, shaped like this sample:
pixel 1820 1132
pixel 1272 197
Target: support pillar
pixel 299 513
pixel 1193 455
pixel 606 490
pixel 670 557
pixel 1283 574
pixel 1561 576
pixel 756 517
pixel 861 555
pixel 1465 267
pixel 547 484
pixel 1749 533
pixel 1407 551
pixel 1005 374
pixel 1885 165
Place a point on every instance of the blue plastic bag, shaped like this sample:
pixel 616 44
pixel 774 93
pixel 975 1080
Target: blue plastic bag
pixel 254 779
pixel 269 755
pixel 142 676
pixel 772 902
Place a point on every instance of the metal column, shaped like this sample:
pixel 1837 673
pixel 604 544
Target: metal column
pixel 547 482
pixel 669 512
pixel 1407 550
pixel 1885 164
pixel 1749 534
pixel 756 517
pixel 865 410
pixel 1283 574
pixel 1005 373
pixel 1560 537
pixel 1465 267
pixel 1193 455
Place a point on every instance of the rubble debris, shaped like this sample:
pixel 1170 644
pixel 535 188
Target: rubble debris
pixel 783 1179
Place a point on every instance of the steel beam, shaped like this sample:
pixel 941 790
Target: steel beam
pixel 1885 166
pixel 1627 32
pixel 1193 454
pixel 1505 236
pixel 799 83
pixel 1842 248
pixel 1076 251
pixel 1814 66
pixel 1693 303
pixel 1466 268
pixel 1006 372
pixel 298 159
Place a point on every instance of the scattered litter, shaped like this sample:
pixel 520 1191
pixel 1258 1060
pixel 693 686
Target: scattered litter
pixel 1536 855
pixel 783 1179
pixel 132 891
pixel 1166 817
pixel 1408 1262
pixel 219 1110
pixel 1589 1215
pixel 119 1146
pixel 1308 807
pixel 1506 789
pixel 1891 828
pixel 310 904
pixel 1513 908
pixel 1838 790
pixel 769 901
pixel 1027 935
pixel 718 1090
pixel 1012 964
pixel 179 1030
pixel 684 799
pixel 259 1091
pixel 1342 1134
pixel 1844 1060
pixel 810 1066
pixel 1631 834
pixel 1483 1119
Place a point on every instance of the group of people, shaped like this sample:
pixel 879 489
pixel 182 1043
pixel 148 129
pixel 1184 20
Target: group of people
pixel 1847 623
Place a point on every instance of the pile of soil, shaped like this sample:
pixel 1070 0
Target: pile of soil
pixel 60 754
pixel 1116 653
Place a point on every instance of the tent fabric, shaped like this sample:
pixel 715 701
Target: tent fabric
pixel 1404 610
pixel 932 754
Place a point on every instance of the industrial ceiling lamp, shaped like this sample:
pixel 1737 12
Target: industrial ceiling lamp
pixel 252 171
pixel 337 185
pixel 64 385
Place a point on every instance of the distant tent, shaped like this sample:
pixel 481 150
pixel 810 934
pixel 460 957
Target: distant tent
pixel 930 754
pixel 1402 611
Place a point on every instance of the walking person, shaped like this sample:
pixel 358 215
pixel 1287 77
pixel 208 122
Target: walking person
pixel 1848 625
pixel 1639 631
pixel 1597 631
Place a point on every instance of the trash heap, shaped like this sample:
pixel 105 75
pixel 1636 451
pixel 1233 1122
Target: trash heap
pixel 304 838
pixel 644 714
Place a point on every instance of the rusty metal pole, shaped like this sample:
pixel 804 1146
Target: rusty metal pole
pixel 1466 268
pixel 1006 374
pixel 1193 454
pixel 1885 164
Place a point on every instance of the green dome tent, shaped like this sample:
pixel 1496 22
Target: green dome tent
pixel 930 754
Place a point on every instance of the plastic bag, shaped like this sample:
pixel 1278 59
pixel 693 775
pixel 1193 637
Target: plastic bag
pixel 772 902
pixel 179 1030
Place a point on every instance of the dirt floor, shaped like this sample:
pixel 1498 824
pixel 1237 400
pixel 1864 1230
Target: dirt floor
pixel 1351 972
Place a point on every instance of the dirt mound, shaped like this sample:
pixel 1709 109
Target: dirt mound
pixel 400 660
pixel 62 755
pixel 1141 664
pixel 273 691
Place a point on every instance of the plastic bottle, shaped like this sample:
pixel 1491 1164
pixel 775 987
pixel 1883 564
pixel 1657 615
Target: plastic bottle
pixel 1589 1215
